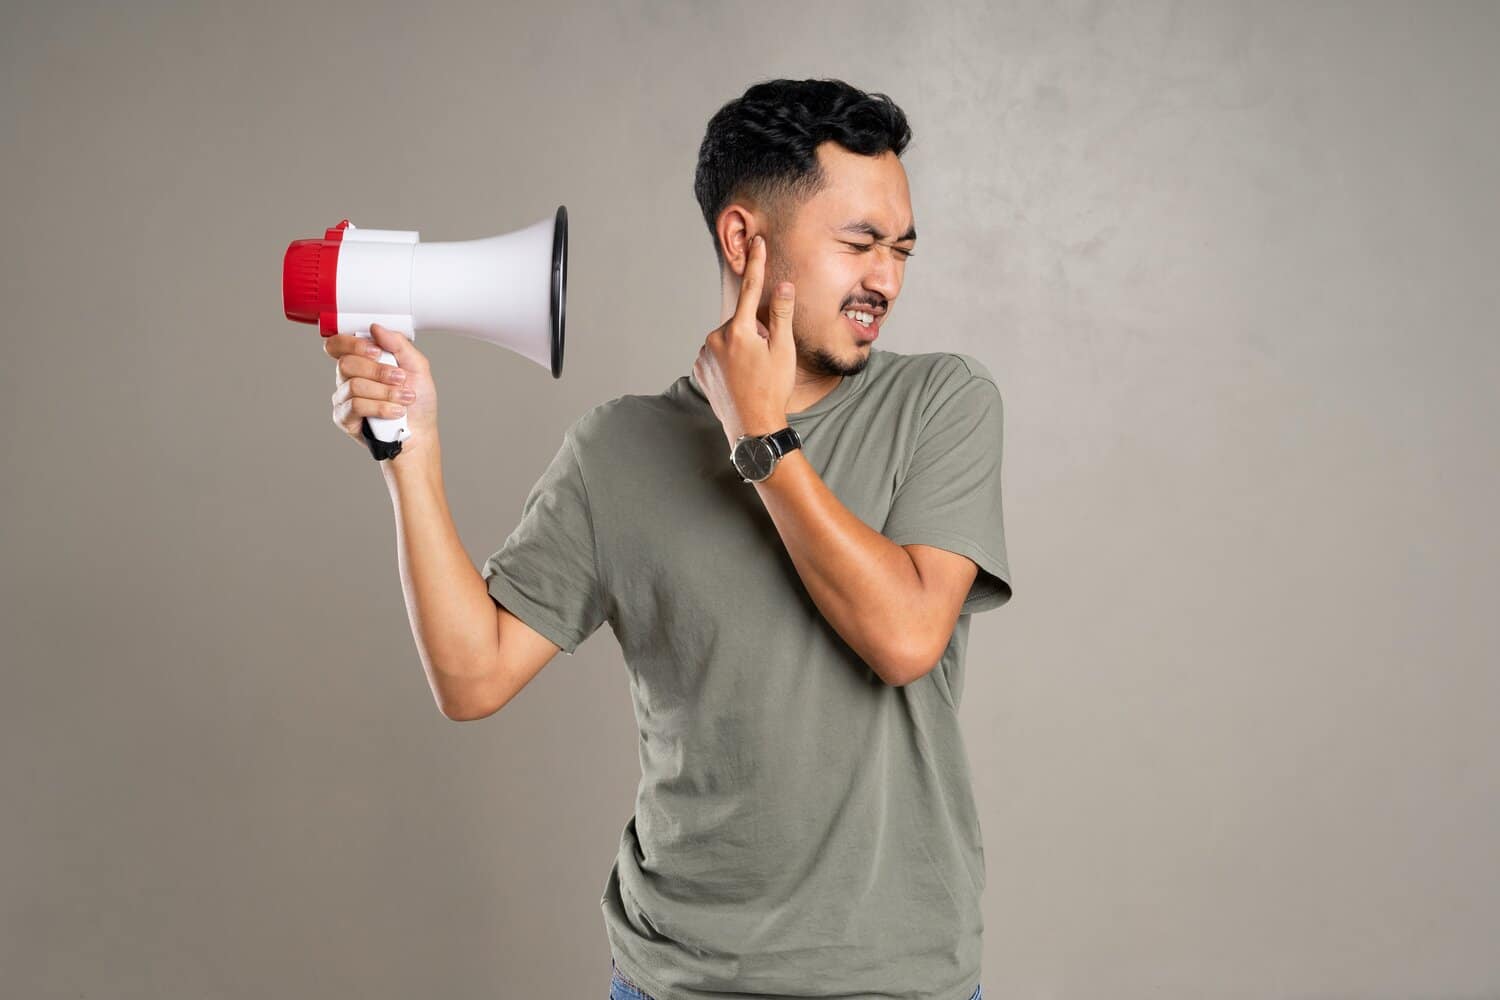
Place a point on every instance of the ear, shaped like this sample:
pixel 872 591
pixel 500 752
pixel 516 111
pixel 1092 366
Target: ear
pixel 736 226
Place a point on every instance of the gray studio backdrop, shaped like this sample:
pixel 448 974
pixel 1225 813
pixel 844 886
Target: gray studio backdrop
pixel 1232 266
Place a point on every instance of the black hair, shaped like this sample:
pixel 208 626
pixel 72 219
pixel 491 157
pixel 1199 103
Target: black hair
pixel 762 144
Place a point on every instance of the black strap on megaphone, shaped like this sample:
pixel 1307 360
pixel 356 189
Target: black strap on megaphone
pixel 380 450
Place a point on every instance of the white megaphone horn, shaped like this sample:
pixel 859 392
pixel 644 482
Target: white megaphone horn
pixel 508 290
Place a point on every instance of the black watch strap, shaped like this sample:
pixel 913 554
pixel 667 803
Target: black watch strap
pixel 785 440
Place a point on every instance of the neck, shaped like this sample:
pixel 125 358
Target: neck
pixel 809 388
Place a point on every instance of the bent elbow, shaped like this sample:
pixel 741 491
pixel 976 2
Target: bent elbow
pixel 471 712
pixel 456 716
pixel 905 665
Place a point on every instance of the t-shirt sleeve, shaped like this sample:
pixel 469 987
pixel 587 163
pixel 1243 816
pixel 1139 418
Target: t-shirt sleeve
pixel 545 573
pixel 949 496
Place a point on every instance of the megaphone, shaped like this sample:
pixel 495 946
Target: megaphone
pixel 508 290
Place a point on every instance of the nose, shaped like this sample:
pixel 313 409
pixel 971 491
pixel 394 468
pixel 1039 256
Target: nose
pixel 884 275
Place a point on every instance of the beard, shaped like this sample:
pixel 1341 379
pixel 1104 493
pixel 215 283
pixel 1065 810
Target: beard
pixel 810 357
pixel 821 362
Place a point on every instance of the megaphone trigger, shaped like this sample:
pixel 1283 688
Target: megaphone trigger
pixel 382 450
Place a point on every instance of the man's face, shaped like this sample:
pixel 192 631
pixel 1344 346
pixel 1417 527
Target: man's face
pixel 837 263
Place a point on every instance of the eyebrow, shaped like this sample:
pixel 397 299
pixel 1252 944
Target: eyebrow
pixel 867 228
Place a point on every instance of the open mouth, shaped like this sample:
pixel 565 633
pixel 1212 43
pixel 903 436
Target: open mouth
pixel 865 331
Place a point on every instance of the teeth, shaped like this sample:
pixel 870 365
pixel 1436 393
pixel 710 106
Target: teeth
pixel 860 317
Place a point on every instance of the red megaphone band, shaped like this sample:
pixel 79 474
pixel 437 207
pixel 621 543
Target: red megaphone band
pixel 309 280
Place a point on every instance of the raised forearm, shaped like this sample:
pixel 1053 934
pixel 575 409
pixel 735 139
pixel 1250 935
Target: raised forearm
pixel 452 617
pixel 866 585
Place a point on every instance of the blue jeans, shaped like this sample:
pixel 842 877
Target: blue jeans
pixel 621 988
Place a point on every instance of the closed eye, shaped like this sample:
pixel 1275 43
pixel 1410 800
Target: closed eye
pixel 870 246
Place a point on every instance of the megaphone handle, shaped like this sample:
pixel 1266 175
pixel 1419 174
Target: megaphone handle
pixel 383 434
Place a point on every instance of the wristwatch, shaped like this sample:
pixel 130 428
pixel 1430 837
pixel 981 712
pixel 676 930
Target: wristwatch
pixel 755 455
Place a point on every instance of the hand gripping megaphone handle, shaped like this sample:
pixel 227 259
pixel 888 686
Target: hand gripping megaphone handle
pixel 383 435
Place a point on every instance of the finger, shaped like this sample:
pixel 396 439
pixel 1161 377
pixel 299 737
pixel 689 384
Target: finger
pixel 750 282
pixel 369 389
pixel 349 413
pixel 400 345
pixel 352 366
pixel 347 343
pixel 782 304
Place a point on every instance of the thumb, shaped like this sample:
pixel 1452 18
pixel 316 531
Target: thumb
pixel 405 352
pixel 782 304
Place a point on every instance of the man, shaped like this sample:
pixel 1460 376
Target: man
pixel 793 614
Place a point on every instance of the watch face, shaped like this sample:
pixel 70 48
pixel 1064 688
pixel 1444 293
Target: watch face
pixel 754 458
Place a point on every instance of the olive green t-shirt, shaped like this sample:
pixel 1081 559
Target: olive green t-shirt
pixel 801 828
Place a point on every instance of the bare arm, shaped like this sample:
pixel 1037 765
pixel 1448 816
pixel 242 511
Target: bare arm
pixel 894 611
pixel 476 654
pixel 475 661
